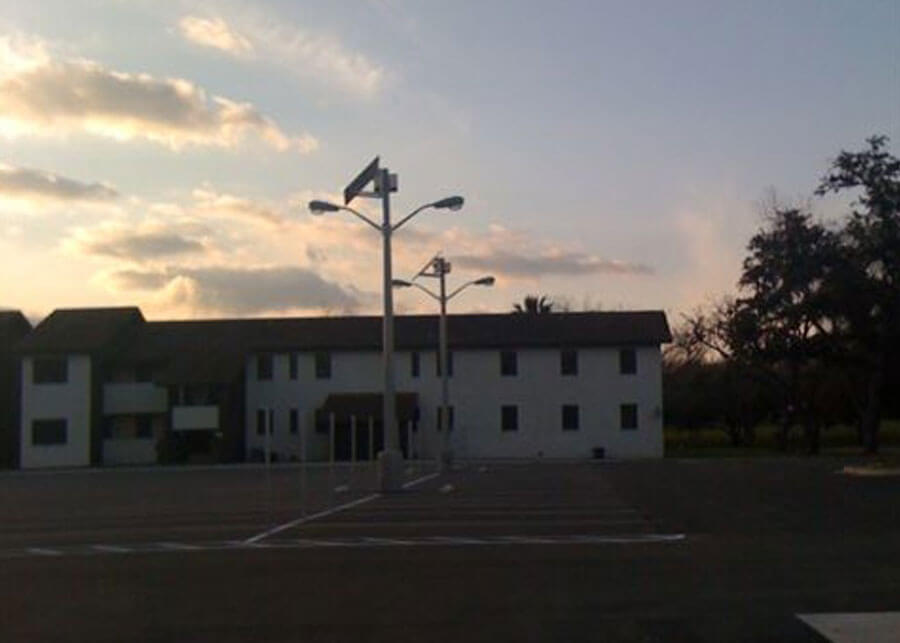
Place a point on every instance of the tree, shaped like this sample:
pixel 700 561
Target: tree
pixel 534 305
pixel 866 292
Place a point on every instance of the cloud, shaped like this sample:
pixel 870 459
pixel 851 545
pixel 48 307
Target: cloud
pixel 239 291
pixel 552 263
pixel 42 96
pixel 146 242
pixel 210 202
pixel 215 33
pixel 27 183
pixel 310 55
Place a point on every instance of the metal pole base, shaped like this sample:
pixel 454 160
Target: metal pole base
pixel 390 470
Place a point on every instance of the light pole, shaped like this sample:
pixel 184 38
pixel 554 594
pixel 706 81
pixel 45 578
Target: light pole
pixel 389 460
pixel 439 267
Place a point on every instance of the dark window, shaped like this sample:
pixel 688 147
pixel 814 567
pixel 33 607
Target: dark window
pixel 323 365
pixel 449 363
pixel 264 367
pixel 292 360
pixel 143 373
pixel 628 416
pixel 509 418
pixel 414 363
pixel 508 363
pixel 145 426
pixel 44 432
pixel 50 370
pixel 627 361
pixel 260 421
pixel 570 417
pixel 295 422
pixel 568 362
pixel 107 427
pixel 450 417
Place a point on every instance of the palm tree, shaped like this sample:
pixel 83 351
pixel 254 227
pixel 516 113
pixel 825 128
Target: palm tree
pixel 534 305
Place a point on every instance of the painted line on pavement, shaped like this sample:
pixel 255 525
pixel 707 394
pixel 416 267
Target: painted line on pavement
pixel 305 519
pixel 43 551
pixel 413 483
pixel 328 512
pixel 358 542
pixel 116 549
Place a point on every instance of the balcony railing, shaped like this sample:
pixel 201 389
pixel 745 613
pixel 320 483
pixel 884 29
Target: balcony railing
pixel 195 418
pixel 134 397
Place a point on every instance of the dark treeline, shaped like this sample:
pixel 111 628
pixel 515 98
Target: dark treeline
pixel 812 337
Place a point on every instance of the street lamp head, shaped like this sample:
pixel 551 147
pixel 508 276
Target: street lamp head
pixel 399 283
pixel 321 207
pixel 484 281
pixel 450 203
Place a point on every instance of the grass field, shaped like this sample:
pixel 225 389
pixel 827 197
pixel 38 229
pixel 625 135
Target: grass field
pixel 712 442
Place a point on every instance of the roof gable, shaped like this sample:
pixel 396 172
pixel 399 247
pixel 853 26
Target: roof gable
pixel 80 330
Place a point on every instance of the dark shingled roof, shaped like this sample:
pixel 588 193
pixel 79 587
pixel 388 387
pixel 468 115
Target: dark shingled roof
pixel 13 327
pixel 214 351
pixel 209 351
pixel 421 331
pixel 80 330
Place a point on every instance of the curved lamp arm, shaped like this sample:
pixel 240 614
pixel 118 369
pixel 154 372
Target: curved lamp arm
pixel 483 281
pixel 359 215
pixel 399 283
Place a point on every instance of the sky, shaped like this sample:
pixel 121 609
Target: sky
pixel 612 155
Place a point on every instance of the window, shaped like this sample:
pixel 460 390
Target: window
pixel 260 421
pixel 292 363
pixel 508 363
pixel 628 416
pixel 48 432
pixel 568 362
pixel 323 365
pixel 414 364
pixel 570 417
pixel 627 361
pixel 295 422
pixel 145 426
pixel 449 363
pixel 509 418
pixel 450 417
pixel 50 370
pixel 263 367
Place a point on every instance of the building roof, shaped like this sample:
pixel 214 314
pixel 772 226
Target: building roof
pixel 80 330
pixel 421 331
pixel 214 351
pixel 13 327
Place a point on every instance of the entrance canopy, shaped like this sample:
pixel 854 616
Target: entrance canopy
pixel 366 405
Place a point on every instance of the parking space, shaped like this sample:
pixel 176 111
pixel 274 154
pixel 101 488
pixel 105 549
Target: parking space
pixel 507 503
pixel 685 551
pixel 133 506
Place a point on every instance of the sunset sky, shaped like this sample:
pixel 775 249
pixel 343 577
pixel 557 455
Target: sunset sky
pixel 612 154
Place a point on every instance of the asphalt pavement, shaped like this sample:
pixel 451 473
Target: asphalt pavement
pixel 693 550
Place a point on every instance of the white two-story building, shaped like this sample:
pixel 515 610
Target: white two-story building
pixel 104 386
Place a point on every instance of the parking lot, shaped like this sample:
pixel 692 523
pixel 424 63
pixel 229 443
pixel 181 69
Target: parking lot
pixel 693 550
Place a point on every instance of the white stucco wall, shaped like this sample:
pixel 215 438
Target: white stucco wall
pixel 70 400
pixel 477 392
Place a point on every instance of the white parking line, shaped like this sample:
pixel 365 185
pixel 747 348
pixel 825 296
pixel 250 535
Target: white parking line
pixel 43 551
pixel 305 519
pixel 112 549
pixel 328 512
pixel 417 481
pixel 178 546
